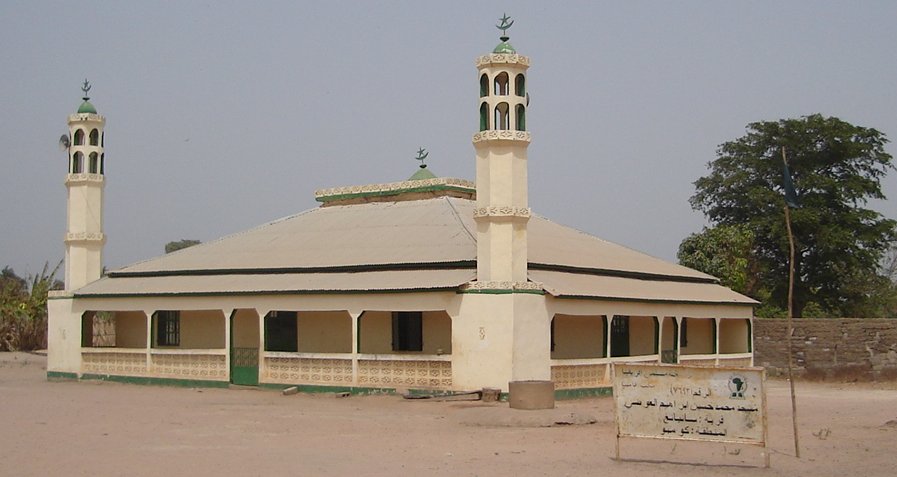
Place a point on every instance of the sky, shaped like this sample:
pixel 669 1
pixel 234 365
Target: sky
pixel 226 115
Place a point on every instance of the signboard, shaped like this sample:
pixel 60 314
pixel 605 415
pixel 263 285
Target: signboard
pixel 718 404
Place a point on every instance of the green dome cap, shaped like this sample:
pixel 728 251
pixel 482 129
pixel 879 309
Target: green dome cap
pixel 86 107
pixel 504 47
pixel 422 174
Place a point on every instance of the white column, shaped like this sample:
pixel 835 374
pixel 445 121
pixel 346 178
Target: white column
pixel 149 339
pixel 354 316
pixel 716 339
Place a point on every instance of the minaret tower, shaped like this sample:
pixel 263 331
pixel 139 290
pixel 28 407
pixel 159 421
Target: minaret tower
pixel 503 330
pixel 84 238
pixel 502 212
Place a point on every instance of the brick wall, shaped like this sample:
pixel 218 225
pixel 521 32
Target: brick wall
pixel 836 349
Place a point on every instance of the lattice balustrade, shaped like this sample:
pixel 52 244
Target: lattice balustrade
pixel 190 366
pixel 579 376
pixel 308 371
pixel 117 364
pixel 423 374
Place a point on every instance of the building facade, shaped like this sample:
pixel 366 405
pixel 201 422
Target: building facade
pixel 432 284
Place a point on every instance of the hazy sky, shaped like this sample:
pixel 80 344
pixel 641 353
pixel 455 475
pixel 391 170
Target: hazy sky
pixel 225 115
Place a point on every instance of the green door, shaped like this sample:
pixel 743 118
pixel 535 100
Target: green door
pixel 244 366
pixel 244 348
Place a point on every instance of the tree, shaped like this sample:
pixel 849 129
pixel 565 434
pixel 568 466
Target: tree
pixel 836 168
pixel 724 251
pixel 180 244
pixel 23 309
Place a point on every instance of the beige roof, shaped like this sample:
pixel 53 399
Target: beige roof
pixel 621 288
pixel 280 283
pixel 412 245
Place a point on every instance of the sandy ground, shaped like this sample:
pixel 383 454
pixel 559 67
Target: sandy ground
pixel 98 429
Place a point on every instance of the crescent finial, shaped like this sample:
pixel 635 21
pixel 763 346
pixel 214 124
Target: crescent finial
pixel 421 155
pixel 506 23
pixel 85 88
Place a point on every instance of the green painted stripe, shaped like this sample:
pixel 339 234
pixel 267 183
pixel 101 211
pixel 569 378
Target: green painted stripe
pixel 60 375
pixel 501 291
pixel 373 267
pixel 185 383
pixel 267 292
pixel 565 394
pixel 386 193
pixel 314 388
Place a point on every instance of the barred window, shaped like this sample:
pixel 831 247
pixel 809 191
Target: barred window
pixel 168 328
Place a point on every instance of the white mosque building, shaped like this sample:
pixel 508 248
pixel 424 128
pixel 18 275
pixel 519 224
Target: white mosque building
pixel 430 284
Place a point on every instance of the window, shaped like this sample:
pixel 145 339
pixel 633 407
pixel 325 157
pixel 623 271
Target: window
pixel 484 117
pixel 501 116
pixel 407 331
pixel 79 138
pixel 683 334
pixel 168 328
pixel 281 331
pixel 78 163
pixel 501 84
pixel 520 85
pixel 521 118
pixel 484 85
pixel 95 137
pixel 94 166
pixel 619 336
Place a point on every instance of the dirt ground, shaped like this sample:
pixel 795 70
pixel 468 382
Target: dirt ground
pixel 98 429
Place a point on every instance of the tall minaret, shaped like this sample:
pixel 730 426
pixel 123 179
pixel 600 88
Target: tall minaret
pixel 84 238
pixel 502 212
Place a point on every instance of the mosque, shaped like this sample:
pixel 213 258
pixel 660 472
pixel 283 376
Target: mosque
pixel 430 284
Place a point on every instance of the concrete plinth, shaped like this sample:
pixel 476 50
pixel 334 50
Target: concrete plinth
pixel 531 395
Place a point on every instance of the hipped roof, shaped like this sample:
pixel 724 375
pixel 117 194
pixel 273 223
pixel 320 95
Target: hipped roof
pixel 402 246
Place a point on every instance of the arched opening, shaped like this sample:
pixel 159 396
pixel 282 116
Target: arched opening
pixel 502 116
pixel 484 117
pixel 578 336
pixel 520 85
pixel 95 137
pixel 77 163
pixel 103 139
pixel 102 163
pixel 484 85
pixel 501 84
pixel 94 163
pixel 521 117
pixel 79 138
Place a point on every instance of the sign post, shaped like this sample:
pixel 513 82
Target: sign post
pixel 713 404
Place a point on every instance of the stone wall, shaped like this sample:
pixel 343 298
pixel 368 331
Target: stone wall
pixel 836 349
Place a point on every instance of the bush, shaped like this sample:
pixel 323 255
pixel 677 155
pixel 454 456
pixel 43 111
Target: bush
pixel 23 309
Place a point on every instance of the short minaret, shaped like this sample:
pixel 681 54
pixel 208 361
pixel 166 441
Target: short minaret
pixel 84 238
pixel 502 210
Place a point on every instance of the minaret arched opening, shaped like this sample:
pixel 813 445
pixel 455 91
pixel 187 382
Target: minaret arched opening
pixel 502 116
pixel 79 138
pixel 484 85
pixel 520 85
pixel 94 163
pixel 484 116
pixel 102 162
pixel 95 137
pixel 77 162
pixel 521 117
pixel 501 84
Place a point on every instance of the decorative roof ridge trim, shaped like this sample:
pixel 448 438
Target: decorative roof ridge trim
pixel 605 272
pixel 381 267
pixel 473 237
pixel 393 187
pixel 270 292
pixel 752 303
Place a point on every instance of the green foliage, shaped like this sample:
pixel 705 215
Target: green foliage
pixel 836 167
pixel 180 244
pixel 23 309
pixel 725 252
